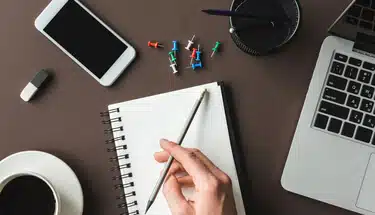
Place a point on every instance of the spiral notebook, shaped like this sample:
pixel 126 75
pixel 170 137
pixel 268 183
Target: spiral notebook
pixel 138 125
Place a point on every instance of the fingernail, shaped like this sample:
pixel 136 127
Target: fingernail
pixel 166 143
pixel 164 140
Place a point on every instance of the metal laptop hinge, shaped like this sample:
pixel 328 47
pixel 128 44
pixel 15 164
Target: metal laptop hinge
pixel 364 44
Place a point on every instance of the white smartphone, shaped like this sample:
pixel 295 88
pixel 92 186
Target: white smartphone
pixel 86 39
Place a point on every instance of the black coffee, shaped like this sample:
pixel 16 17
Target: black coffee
pixel 27 195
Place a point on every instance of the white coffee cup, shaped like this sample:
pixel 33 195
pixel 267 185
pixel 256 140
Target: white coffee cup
pixel 6 180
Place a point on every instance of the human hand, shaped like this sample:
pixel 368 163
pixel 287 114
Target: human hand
pixel 213 188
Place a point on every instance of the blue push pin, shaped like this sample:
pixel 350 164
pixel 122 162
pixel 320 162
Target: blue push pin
pixel 175 46
pixel 197 65
pixel 198 58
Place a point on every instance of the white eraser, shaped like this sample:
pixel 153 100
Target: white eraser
pixel 28 92
pixel 32 87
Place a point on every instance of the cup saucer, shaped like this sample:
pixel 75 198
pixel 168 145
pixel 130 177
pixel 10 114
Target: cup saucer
pixel 57 172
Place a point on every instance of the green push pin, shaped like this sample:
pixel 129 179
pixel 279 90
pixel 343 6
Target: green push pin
pixel 173 58
pixel 215 49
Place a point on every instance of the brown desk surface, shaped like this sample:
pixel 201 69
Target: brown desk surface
pixel 65 119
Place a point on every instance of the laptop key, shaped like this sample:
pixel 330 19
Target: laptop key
pixel 348 130
pixel 367 105
pixel 353 101
pixel 337 68
pixel 351 72
pixel 369 121
pixel 355 10
pixel 367 15
pixel 337 82
pixel 355 61
pixel 369 66
pixel 367 91
pixel 334 125
pixel 363 134
pixel 366 25
pixel 334 95
pixel 334 110
pixel 341 57
pixel 364 76
pixel 321 121
pixel 356 117
pixel 354 87
pixel 364 3
pixel 352 20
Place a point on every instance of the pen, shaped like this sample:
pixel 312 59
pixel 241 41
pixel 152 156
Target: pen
pixel 236 14
pixel 168 165
pixel 272 21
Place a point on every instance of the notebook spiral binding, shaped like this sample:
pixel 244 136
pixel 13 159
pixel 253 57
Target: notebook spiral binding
pixel 131 206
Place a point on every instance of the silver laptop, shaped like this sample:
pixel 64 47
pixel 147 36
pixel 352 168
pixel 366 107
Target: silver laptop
pixel 332 156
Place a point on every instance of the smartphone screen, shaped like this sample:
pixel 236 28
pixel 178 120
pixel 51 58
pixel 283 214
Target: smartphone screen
pixel 85 38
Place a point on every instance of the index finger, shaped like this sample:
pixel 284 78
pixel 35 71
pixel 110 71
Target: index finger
pixel 188 159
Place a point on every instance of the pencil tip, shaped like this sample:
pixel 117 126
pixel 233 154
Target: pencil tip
pixel 149 203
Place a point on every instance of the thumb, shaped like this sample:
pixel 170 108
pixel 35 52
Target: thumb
pixel 176 200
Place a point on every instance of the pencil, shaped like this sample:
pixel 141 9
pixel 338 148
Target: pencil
pixel 168 165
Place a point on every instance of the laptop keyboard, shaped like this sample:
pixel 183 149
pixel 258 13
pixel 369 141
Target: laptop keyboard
pixel 362 14
pixel 347 104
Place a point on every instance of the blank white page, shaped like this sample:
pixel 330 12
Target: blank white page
pixel 145 121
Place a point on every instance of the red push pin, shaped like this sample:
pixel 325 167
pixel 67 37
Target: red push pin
pixel 155 44
pixel 193 55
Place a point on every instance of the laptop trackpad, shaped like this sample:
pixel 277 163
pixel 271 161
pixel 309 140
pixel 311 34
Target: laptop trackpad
pixel 366 198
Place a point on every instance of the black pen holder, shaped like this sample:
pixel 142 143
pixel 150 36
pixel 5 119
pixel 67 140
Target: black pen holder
pixel 278 23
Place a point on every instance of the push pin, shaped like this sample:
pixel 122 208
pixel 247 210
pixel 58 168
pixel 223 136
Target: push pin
pixel 190 43
pixel 175 47
pixel 155 45
pixel 173 66
pixel 195 66
pixel 193 55
pixel 172 57
pixel 198 58
pixel 215 49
